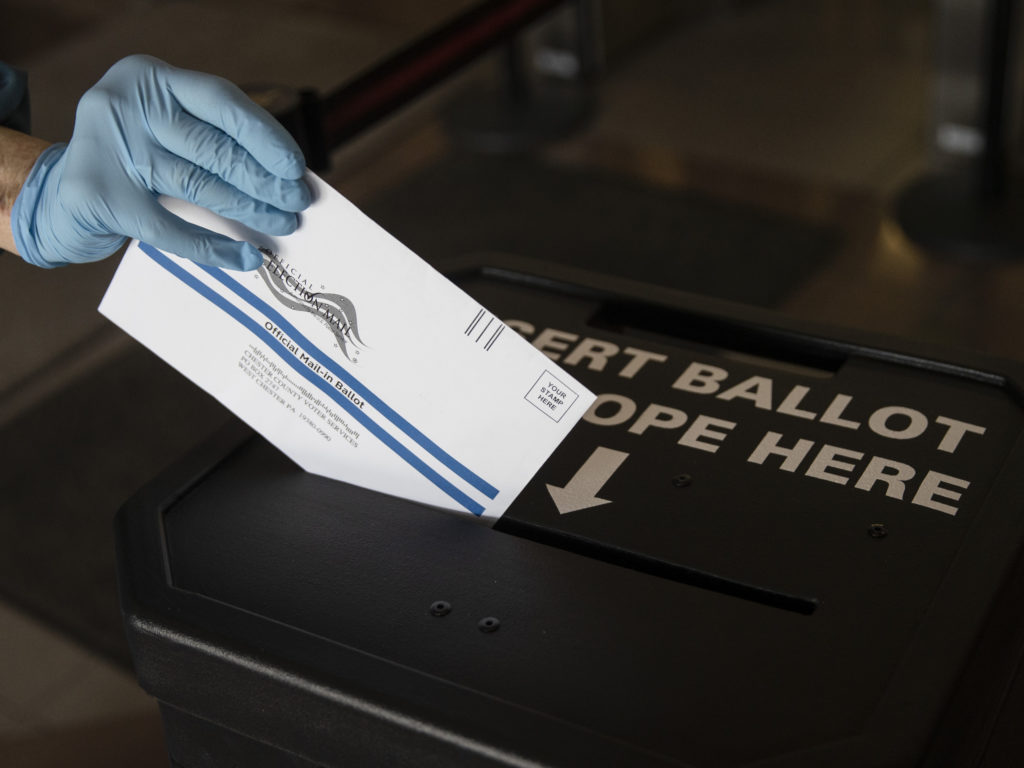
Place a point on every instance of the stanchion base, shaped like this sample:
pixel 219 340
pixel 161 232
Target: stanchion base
pixel 946 214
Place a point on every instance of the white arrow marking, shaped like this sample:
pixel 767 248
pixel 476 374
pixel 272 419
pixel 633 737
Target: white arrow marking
pixel 581 491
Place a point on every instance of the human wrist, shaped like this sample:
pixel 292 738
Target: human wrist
pixel 27 215
pixel 45 232
pixel 17 159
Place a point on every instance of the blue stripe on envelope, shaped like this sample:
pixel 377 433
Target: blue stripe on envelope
pixel 410 458
pixel 354 384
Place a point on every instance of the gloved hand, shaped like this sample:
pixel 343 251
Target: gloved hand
pixel 145 129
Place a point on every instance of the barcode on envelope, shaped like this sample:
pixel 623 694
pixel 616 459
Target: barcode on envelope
pixel 484 329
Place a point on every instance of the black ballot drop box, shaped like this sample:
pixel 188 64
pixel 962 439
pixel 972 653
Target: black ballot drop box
pixel 766 545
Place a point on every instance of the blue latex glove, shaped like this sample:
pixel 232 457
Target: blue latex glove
pixel 146 129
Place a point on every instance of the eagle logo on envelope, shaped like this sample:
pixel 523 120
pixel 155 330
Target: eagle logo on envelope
pixel 336 312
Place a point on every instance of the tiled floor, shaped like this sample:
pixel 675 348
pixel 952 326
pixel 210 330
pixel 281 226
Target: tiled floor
pixel 57 699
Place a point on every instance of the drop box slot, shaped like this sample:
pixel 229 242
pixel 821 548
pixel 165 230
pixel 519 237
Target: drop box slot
pixel 652 566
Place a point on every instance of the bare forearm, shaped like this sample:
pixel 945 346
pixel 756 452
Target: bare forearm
pixel 18 152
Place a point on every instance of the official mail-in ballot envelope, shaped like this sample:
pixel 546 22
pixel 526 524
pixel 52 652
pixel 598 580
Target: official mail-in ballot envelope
pixel 355 358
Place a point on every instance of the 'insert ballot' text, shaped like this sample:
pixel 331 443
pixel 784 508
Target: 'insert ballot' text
pixel 700 428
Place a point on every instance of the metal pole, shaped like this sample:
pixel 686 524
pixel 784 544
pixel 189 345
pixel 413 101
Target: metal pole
pixel 380 91
pixel 992 172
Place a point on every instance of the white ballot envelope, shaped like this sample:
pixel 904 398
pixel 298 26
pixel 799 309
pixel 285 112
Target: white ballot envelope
pixel 355 358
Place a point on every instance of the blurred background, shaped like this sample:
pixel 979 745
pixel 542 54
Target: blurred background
pixel 851 163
